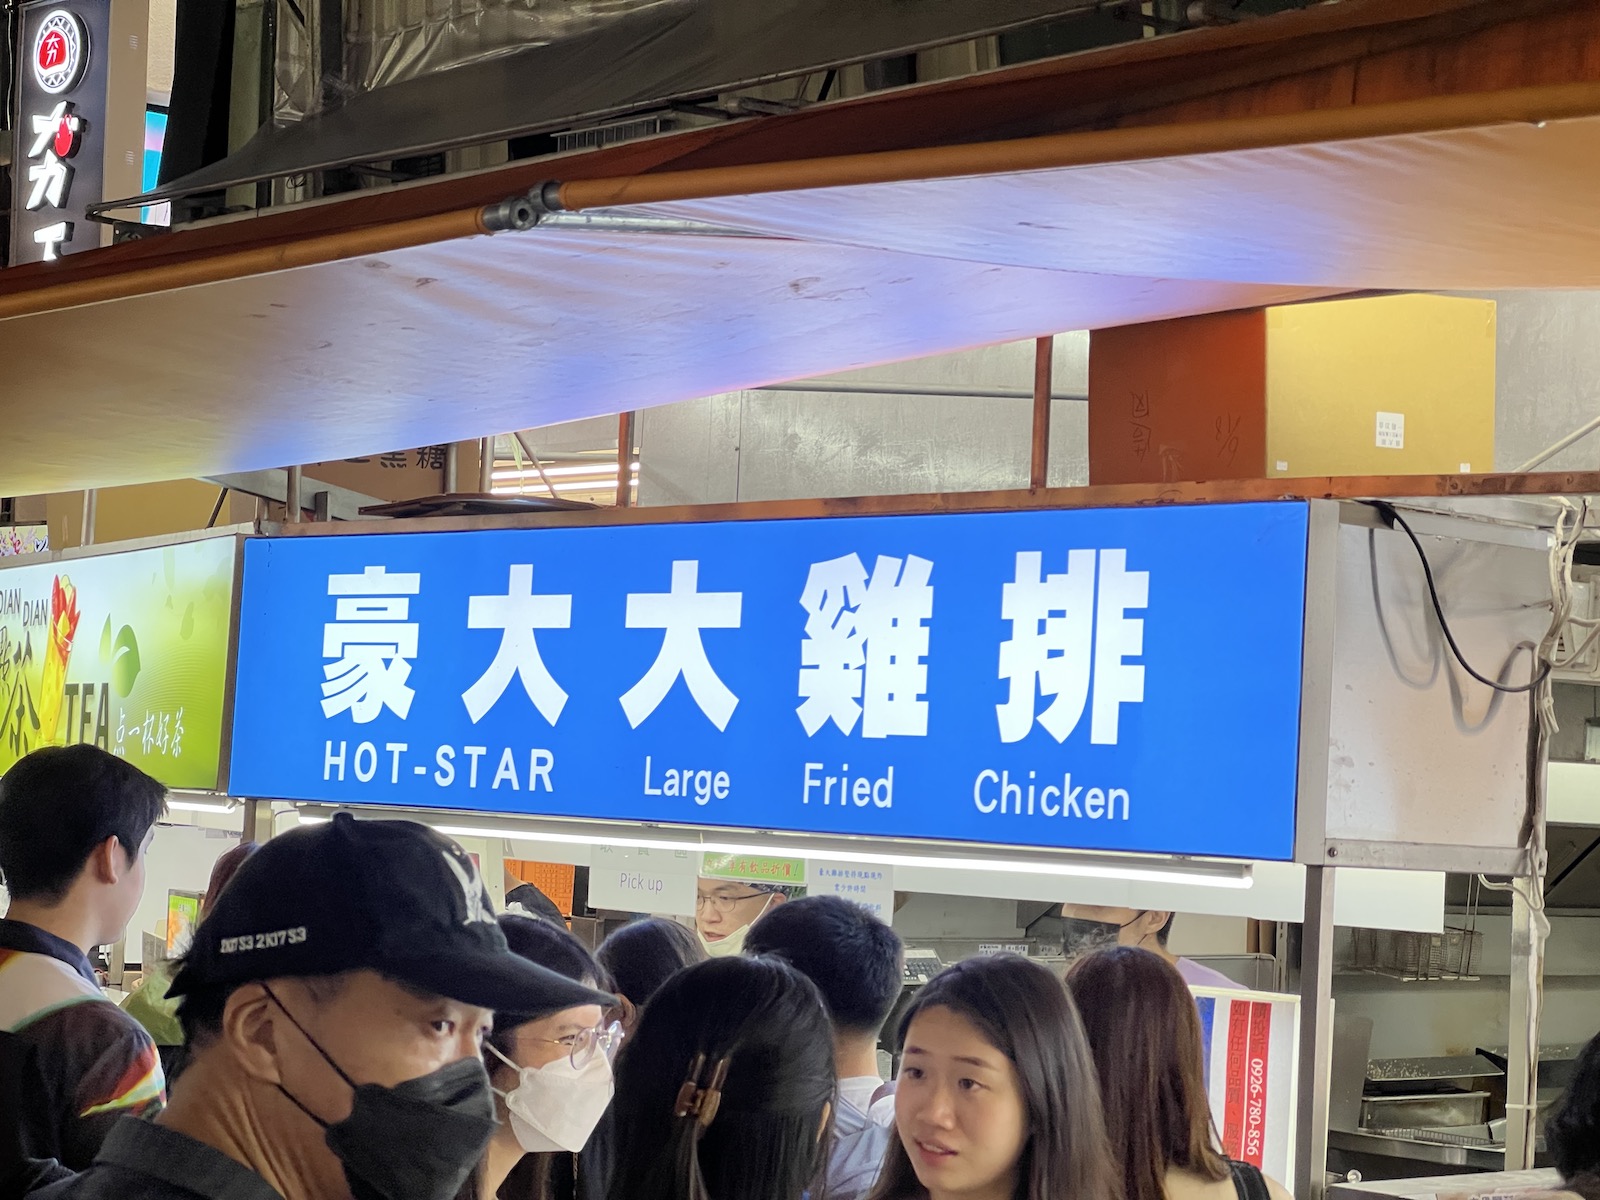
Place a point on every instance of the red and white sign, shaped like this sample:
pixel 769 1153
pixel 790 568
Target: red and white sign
pixel 60 52
pixel 1252 1069
pixel 1249 1053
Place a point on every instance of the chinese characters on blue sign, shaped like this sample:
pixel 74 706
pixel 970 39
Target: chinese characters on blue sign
pixel 1114 680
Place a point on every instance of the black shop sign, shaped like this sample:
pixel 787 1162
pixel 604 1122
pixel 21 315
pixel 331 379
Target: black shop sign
pixel 59 163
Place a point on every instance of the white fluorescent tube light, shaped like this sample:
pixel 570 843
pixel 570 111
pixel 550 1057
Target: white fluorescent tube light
pixel 199 806
pixel 598 470
pixel 504 488
pixel 1236 877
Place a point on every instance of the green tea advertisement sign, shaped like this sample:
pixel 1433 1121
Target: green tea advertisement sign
pixel 126 651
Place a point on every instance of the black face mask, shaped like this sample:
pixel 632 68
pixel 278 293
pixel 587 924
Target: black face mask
pixel 1080 936
pixel 418 1140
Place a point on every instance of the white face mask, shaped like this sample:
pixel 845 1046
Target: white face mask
pixel 733 945
pixel 557 1106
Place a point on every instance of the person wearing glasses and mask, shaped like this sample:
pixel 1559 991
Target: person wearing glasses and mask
pixel 724 910
pixel 334 1002
pixel 551 1071
pixel 1086 928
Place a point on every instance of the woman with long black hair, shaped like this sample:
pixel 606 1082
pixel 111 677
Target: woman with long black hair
pixel 724 1091
pixel 997 1097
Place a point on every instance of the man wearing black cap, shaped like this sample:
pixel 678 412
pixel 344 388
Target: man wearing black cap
pixel 334 1000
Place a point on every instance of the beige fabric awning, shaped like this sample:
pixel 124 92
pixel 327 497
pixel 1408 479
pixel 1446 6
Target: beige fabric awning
pixel 454 339
pixel 1481 192
pixel 394 336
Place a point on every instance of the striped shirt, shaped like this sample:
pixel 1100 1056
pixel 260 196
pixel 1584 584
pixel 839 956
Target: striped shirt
pixel 71 1062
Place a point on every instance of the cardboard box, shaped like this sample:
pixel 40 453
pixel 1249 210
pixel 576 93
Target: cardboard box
pixel 1390 385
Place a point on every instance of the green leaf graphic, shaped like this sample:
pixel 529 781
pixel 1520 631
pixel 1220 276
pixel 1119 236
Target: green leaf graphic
pixel 105 642
pixel 125 664
pixel 186 629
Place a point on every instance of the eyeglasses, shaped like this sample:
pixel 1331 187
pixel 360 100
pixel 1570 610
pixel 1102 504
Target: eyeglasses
pixel 724 904
pixel 582 1046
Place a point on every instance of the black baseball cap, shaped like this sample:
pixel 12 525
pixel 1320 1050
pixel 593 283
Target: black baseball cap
pixel 389 896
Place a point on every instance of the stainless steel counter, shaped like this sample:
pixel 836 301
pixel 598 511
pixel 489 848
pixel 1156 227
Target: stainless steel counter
pixel 1449 1187
pixel 1384 1154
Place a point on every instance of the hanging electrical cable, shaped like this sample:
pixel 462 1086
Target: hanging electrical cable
pixel 1393 517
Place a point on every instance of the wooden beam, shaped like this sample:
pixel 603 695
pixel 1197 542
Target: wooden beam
pixel 625 441
pixel 1222 491
pixel 1043 378
pixel 1336 55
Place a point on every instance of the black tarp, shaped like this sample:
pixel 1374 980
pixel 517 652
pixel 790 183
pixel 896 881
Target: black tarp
pixel 641 58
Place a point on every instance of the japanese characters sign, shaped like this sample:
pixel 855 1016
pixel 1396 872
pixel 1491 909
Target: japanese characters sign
pixel 127 651
pixel 59 141
pixel 1110 680
pixel 79 116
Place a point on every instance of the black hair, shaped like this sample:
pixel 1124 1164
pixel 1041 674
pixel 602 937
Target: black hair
pixel 856 961
pixel 1023 1011
pixel 552 946
pixel 763 1023
pixel 1165 931
pixel 1573 1132
pixel 200 1011
pixel 643 955
pixel 58 804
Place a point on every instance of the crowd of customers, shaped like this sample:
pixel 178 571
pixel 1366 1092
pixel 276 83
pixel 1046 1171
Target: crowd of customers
pixel 390 1038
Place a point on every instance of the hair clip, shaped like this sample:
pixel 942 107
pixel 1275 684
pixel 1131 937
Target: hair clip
pixel 701 1100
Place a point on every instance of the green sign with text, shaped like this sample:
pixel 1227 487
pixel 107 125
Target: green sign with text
pixel 126 651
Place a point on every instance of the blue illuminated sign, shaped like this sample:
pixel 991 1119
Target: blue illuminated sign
pixel 1105 680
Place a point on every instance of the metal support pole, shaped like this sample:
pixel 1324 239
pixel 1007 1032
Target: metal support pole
pixel 117 963
pixel 452 468
pixel 291 496
pixel 1549 452
pixel 1043 372
pixel 486 465
pixel 1522 1064
pixel 330 51
pixel 533 457
pixel 625 460
pixel 1316 1037
pixel 266 86
pixel 257 821
pixel 91 502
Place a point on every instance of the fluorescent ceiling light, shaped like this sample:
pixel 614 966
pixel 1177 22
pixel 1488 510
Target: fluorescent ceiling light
pixel 1236 876
pixel 600 470
pixel 598 484
pixel 200 806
